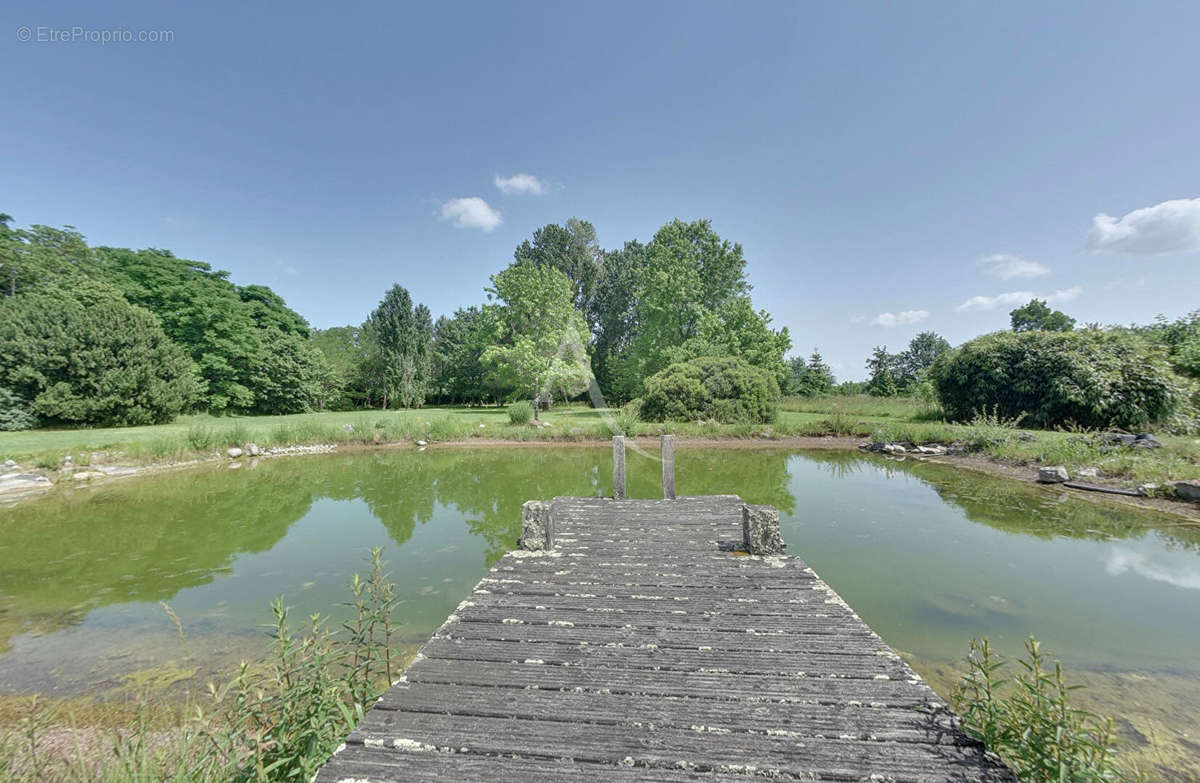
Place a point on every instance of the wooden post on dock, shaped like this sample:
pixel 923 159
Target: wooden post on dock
pixel 618 467
pixel 668 466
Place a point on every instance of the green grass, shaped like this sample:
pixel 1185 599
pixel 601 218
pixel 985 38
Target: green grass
pixel 894 419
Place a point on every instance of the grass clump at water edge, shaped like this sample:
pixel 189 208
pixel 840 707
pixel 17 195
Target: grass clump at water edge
pixel 279 718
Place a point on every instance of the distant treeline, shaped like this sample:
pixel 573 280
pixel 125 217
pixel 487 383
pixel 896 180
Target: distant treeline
pixel 102 335
pixel 563 312
pixel 112 336
pixel 1045 372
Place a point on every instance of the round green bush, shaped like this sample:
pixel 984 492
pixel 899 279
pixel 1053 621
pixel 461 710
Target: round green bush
pixel 520 412
pixel 81 354
pixel 722 388
pixel 1089 378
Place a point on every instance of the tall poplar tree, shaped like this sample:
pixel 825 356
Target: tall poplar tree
pixel 404 335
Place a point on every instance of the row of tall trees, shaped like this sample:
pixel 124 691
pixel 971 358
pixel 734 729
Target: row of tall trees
pixel 565 311
pixel 102 335
pixel 904 372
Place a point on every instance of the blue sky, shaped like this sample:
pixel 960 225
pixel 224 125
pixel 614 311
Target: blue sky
pixel 869 157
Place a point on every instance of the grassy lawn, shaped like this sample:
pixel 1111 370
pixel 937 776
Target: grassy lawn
pixel 893 419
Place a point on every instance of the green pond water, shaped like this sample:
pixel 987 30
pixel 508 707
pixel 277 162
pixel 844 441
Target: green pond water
pixel 929 556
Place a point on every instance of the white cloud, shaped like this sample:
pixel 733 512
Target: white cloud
pixel 1175 571
pixel 1121 283
pixel 1015 298
pixel 900 319
pixel 1064 294
pixel 471 212
pixel 520 184
pixel 992 302
pixel 1169 227
pixel 1006 267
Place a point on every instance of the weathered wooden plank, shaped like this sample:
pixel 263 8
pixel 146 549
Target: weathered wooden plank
pixel 747 687
pixel 799 719
pixel 622 655
pixel 778 605
pixel 359 764
pixel 698 748
pixel 815 623
pixel 867 644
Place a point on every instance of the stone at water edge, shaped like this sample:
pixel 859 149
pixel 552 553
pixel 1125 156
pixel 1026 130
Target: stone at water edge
pixel 1187 490
pixel 14 481
pixel 1053 474
pixel 422 443
pixel 1088 473
pixel 1147 490
pixel 252 450
pixel 10 464
pixel 234 452
pixel 1146 441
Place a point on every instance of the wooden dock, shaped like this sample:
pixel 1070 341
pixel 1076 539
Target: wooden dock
pixel 646 644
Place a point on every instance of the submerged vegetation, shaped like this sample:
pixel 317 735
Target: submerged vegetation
pixel 279 718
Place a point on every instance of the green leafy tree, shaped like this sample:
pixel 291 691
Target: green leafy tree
pixel 14 413
pixel 84 355
pixel 923 351
pixel 12 257
pixel 811 378
pixel 1037 316
pixel 883 367
pixel 268 310
pixel 614 319
pixel 540 338
pixel 228 331
pixel 571 249
pixel 344 352
pixel 693 301
pixel 690 274
pixel 293 376
pixel 737 329
pixel 1181 338
pixel 41 255
pixel 404 335
pixel 459 341
pixel 201 311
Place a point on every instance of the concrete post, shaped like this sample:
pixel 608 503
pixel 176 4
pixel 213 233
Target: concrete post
pixel 537 526
pixel 668 466
pixel 760 530
pixel 618 467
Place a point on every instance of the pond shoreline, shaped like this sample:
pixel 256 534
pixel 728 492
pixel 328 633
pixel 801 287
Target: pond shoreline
pixel 96 474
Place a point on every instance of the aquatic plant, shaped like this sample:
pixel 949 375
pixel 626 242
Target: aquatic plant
pixel 1029 722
